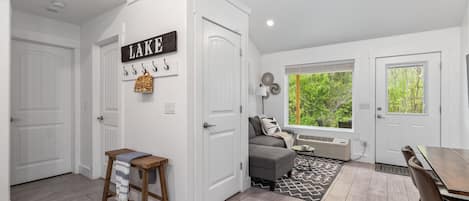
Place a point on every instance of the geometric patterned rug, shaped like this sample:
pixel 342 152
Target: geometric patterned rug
pixel 311 177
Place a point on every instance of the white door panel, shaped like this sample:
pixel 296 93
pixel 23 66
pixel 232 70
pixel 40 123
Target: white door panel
pixel 41 111
pixel 408 104
pixel 222 66
pixel 109 100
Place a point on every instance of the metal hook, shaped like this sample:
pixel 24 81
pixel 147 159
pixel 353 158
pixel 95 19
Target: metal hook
pixel 166 66
pixel 144 70
pixel 133 70
pixel 155 68
pixel 126 73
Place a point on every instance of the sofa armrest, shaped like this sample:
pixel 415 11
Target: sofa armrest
pixel 289 131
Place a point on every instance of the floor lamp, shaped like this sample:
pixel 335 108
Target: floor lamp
pixel 262 92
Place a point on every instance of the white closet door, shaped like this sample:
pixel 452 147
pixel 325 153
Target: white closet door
pixel 109 100
pixel 41 111
pixel 221 92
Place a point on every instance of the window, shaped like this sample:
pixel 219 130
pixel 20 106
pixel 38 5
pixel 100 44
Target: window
pixel 405 85
pixel 320 95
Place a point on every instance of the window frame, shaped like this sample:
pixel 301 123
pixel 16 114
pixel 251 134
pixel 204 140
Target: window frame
pixel 319 128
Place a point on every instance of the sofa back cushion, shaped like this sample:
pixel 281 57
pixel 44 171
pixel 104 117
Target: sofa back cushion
pixel 252 132
pixel 256 125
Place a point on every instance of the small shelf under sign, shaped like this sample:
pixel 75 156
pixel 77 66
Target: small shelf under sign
pixel 156 68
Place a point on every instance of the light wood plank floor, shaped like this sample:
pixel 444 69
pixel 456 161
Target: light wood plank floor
pixel 356 182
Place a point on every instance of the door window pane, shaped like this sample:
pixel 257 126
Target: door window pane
pixel 406 93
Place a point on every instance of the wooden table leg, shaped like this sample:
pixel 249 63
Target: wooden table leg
pixel 107 180
pixel 145 186
pixel 164 191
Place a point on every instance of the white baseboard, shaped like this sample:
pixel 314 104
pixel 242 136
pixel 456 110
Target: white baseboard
pixel 84 170
pixel 246 183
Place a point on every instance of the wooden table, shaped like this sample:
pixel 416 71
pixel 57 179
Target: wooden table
pixel 451 166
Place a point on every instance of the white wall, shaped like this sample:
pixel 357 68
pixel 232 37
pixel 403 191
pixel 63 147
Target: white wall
pixel 254 67
pixel 145 127
pixel 5 101
pixel 364 52
pixel 464 83
pixel 27 25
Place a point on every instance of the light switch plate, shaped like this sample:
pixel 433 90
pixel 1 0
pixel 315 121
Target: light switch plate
pixel 170 108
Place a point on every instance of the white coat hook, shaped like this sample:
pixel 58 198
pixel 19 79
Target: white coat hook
pixel 126 73
pixel 166 66
pixel 144 70
pixel 134 71
pixel 155 68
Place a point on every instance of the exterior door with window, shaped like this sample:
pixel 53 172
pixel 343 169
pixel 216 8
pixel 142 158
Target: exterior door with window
pixel 407 104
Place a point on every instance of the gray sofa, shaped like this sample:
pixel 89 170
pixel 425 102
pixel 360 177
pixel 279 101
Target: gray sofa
pixel 268 157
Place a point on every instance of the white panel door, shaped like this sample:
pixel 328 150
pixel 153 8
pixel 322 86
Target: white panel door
pixel 408 104
pixel 41 111
pixel 221 94
pixel 109 100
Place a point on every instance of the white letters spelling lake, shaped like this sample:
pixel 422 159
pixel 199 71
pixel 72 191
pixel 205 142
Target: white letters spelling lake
pixel 136 51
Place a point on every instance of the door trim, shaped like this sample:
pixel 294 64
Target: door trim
pixel 74 46
pixel 196 116
pixel 374 66
pixel 96 105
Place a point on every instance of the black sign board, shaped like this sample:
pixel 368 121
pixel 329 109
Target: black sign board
pixel 162 44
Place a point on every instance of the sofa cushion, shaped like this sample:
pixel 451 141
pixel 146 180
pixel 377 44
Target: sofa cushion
pixel 252 132
pixel 270 157
pixel 256 124
pixel 267 141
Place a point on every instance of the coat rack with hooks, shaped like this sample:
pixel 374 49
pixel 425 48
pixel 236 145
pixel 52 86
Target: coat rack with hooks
pixel 156 67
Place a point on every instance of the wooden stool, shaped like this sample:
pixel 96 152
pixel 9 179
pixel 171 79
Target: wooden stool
pixel 145 164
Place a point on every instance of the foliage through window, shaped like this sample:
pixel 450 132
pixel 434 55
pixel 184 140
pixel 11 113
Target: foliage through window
pixel 406 89
pixel 320 99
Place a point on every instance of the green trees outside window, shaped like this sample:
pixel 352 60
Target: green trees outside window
pixel 324 99
pixel 406 89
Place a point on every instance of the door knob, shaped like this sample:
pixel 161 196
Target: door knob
pixel 379 116
pixel 100 118
pixel 13 119
pixel 207 125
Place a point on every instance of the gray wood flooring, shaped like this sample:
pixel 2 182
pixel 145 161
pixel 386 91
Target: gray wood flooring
pixel 356 182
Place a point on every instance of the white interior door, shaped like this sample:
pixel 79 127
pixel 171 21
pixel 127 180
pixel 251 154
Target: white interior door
pixel 109 101
pixel 408 104
pixel 41 111
pixel 221 101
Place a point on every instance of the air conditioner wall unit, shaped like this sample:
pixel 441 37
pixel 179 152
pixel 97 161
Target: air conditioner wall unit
pixel 327 147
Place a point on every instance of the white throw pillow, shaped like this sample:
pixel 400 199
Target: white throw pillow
pixel 270 125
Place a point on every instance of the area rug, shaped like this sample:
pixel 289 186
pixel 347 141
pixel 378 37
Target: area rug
pixel 311 177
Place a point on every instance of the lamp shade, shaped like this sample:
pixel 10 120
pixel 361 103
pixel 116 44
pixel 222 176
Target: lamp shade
pixel 261 91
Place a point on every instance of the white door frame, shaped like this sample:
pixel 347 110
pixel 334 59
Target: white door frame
pixel 96 105
pixel 374 66
pixel 196 140
pixel 74 46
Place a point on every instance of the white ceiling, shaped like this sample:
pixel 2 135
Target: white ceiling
pixel 309 23
pixel 76 11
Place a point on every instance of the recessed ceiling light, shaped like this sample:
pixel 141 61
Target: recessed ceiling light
pixel 270 23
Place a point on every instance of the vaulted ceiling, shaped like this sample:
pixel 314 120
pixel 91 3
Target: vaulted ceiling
pixel 308 23
pixel 75 11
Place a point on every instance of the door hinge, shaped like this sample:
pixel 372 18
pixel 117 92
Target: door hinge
pixel 240 109
pixel 440 110
pixel 241 166
pixel 241 52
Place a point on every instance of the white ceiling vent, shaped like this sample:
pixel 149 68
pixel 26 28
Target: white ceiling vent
pixel 56 6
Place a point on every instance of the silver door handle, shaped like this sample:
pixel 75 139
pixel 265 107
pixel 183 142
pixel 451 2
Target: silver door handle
pixel 379 116
pixel 100 118
pixel 207 125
